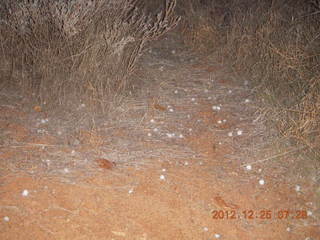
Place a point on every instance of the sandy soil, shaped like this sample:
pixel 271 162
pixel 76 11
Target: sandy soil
pixel 183 157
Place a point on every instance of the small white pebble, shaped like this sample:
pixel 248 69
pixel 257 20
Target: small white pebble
pixel 259 170
pixel 59 133
pixel 205 229
pixel 206 90
pixel 200 163
pixel 6 219
pixel 162 177
pixel 152 121
pixel 173 51
pixel 66 170
pixel 82 105
pixel 249 167
pixel 209 98
pixel 171 110
pixel 175 91
pixel 164 170
pixel 246 82
pixel 188 116
pixel 309 213
pixel 186 163
pixel 288 229
pixel 230 134
pixel 155 129
pixel 161 68
pixel 217 108
pixel 169 135
pixel 261 182
pixel 190 129
pixel 130 191
pixel 149 134
pixel 181 136
pixel 220 143
pixel 47 119
pixel 230 91
pixel 297 188
pixel 239 132
pixel 217 235
pixel 247 100
pixel 25 193
pixel 224 120
pixel 193 99
pixel 219 122
pixel 73 152
pixel 43 121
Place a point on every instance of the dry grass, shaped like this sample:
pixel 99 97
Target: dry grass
pixel 276 44
pixel 61 50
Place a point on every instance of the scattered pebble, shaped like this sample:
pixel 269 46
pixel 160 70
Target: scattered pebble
pixel 220 143
pixel 181 136
pixel 173 51
pixel 224 120
pixel 246 82
pixel 152 121
pixel 259 170
pixel 59 133
pixel 205 229
pixel 209 98
pixel 190 129
pixel 170 135
pixel 161 68
pixel 130 191
pixel 297 188
pixel 149 134
pixel 6 219
pixel 288 229
pixel 164 170
pixel 66 170
pixel 261 182
pixel 73 152
pixel 206 90
pixel 176 91
pixel 193 99
pixel 230 134
pixel 230 91
pixel 171 110
pixel 162 177
pixel 155 129
pixel 239 132
pixel 43 121
pixel 309 213
pixel 219 122
pixel 186 163
pixel 25 193
pixel 247 100
pixel 82 105
pixel 249 167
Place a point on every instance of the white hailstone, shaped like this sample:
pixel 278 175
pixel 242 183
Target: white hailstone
pixel 170 135
pixel 309 213
pixel 261 182
pixel 155 129
pixel 219 122
pixel 170 110
pixel 193 99
pixel 249 167
pixel 6 219
pixel 152 121
pixel 209 98
pixel 217 235
pixel 297 188
pixel 175 91
pixel 130 191
pixel 162 177
pixel 149 134
pixel 66 170
pixel 164 170
pixel 239 132
pixel 25 193
pixel 230 91
pixel 230 134
pixel 217 108
pixel 173 51
pixel 247 100
pixel 206 90
pixel 205 229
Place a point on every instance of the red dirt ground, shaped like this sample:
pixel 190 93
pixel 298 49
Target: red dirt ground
pixel 126 180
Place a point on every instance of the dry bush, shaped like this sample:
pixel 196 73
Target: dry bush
pixel 274 43
pixel 86 49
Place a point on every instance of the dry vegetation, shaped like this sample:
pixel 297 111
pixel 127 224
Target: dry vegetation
pixel 274 43
pixel 61 50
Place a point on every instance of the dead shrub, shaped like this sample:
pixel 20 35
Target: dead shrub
pixel 85 49
pixel 274 43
